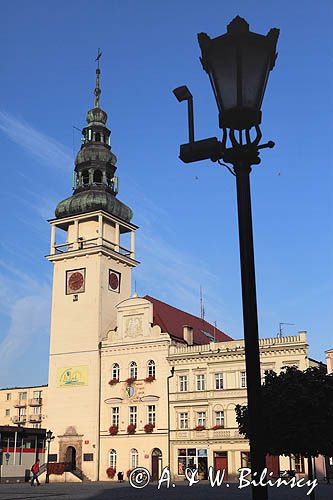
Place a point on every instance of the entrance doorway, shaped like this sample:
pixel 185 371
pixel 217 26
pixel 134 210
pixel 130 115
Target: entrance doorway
pixel 273 465
pixel 221 462
pixel 156 464
pixel 70 459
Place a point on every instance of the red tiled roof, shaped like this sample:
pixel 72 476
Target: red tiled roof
pixel 171 320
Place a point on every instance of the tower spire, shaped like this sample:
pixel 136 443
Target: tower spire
pixel 97 90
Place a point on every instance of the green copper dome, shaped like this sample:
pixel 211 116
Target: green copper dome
pixel 87 201
pixel 96 185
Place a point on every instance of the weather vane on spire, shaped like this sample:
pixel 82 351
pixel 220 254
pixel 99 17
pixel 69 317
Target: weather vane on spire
pixel 97 90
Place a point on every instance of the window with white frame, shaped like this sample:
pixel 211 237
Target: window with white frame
pixel 115 415
pixel 183 383
pixel 218 380
pixel 37 410
pixel 183 420
pixel 115 371
pixel 22 396
pixel 133 370
pixel 22 412
pixel 151 368
pixel 201 418
pixel 113 459
pixel 134 458
pixel 37 395
pixel 151 414
pixel 219 418
pixel 36 426
pixel 133 415
pixel 243 380
pixel 201 383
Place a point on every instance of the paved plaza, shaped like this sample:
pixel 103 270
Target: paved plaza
pixel 116 491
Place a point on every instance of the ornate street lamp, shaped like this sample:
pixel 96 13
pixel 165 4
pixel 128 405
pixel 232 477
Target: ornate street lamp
pixel 49 438
pixel 238 64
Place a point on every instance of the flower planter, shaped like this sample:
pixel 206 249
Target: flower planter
pixel 113 430
pixel 113 381
pixel 200 428
pixel 149 379
pixel 148 428
pixel 111 472
pixel 130 380
pixel 131 428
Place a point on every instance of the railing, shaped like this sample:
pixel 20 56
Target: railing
pixel 35 418
pixel 206 434
pixel 91 243
pixel 35 402
pixel 19 419
pixel 20 403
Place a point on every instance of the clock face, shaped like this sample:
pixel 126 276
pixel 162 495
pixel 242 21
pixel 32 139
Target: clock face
pixel 75 281
pixel 114 281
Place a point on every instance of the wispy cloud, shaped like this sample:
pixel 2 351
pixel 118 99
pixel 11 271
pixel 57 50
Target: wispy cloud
pixel 40 145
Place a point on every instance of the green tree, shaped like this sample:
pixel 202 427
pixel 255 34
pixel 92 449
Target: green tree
pixel 297 412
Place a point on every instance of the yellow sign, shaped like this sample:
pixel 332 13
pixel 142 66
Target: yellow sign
pixel 73 376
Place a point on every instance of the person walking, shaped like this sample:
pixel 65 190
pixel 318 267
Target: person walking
pixel 35 471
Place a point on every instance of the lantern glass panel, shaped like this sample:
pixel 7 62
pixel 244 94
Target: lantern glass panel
pixel 224 75
pixel 255 59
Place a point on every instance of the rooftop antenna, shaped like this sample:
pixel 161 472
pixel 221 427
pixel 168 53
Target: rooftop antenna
pixel 202 308
pixel 280 334
pixel 215 326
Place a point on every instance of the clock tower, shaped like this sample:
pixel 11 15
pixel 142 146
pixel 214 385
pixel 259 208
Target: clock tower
pixel 91 275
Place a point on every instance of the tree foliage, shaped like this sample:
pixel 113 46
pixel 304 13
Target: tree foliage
pixel 297 412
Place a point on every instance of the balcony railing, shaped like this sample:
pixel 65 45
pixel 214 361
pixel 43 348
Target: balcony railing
pixel 20 419
pixel 35 402
pixel 20 403
pixel 35 418
pixel 90 243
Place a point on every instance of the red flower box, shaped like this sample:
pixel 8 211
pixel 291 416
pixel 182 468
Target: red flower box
pixel 148 428
pixel 216 427
pixel 131 428
pixel 114 381
pixel 111 472
pixel 128 472
pixel 151 378
pixel 200 428
pixel 130 380
pixel 113 430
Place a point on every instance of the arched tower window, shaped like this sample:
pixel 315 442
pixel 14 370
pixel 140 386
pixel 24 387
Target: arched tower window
pixel 115 371
pixel 85 177
pixel 113 459
pixel 97 137
pixel 134 458
pixel 98 176
pixel 133 370
pixel 151 368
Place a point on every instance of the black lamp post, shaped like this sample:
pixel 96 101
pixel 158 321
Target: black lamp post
pixel 49 438
pixel 238 64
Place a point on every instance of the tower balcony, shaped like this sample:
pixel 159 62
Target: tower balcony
pixel 35 402
pixel 93 232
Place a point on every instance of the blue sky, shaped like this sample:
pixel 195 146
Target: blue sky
pixel 186 213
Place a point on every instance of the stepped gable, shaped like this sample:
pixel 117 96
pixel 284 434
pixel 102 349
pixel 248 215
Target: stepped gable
pixel 172 320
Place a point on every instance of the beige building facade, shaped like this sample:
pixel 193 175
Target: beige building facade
pixel 25 406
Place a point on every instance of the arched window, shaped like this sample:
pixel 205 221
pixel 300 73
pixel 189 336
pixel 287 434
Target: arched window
pixel 113 459
pixel 115 371
pixel 151 368
pixel 133 370
pixel 98 137
pixel 98 176
pixel 134 458
pixel 85 177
